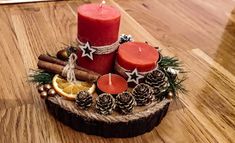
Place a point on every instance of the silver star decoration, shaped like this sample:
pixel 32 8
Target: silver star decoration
pixel 134 76
pixel 87 50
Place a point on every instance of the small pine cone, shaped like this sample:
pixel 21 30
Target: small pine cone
pixel 154 78
pixel 83 100
pixel 143 94
pixel 105 103
pixel 125 102
pixel 158 81
pixel 158 94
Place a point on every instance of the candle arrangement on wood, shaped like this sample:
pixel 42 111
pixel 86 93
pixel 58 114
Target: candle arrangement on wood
pixel 107 85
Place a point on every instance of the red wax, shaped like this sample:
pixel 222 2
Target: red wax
pixel 138 55
pixel 99 26
pixel 118 84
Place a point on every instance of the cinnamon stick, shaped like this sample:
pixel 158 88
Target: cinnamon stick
pixel 50 59
pixel 57 69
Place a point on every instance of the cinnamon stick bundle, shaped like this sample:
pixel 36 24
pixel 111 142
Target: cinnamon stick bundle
pixel 50 59
pixel 57 69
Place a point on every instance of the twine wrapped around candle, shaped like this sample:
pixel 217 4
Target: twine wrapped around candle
pixel 100 50
pixel 68 70
pixel 122 71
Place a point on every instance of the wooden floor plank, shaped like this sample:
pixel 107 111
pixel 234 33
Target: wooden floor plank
pixel 189 24
pixel 28 123
pixel 21 1
pixel 214 64
pixel 14 87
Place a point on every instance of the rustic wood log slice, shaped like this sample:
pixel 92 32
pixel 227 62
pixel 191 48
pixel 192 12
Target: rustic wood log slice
pixel 142 120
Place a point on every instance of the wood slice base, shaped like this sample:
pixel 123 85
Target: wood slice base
pixel 142 120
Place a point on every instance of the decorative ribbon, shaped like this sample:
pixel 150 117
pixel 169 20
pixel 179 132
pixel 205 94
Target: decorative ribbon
pixel 68 70
pixel 100 50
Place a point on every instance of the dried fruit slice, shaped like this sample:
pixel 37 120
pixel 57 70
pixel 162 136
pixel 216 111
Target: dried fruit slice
pixel 70 90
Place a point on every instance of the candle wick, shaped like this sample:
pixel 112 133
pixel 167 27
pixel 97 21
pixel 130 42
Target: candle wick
pixel 102 3
pixel 110 79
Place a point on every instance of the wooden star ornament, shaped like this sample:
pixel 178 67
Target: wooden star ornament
pixel 87 50
pixel 134 76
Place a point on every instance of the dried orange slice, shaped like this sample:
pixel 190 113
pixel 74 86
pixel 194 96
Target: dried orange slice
pixel 70 90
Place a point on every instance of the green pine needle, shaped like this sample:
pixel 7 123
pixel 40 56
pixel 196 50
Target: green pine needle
pixel 40 77
pixel 173 62
pixel 176 84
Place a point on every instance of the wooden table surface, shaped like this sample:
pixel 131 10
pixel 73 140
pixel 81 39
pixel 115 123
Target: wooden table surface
pixel 201 33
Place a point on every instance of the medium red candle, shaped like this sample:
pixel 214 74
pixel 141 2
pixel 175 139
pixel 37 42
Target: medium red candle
pixel 112 83
pixel 138 55
pixel 98 25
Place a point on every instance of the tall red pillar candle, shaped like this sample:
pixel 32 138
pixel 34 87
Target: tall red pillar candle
pixel 138 55
pixel 98 25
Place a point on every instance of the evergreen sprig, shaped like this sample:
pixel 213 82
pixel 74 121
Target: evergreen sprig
pixel 172 62
pixel 176 82
pixel 40 76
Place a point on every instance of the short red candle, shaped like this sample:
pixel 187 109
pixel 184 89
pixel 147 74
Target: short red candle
pixel 98 25
pixel 118 84
pixel 138 55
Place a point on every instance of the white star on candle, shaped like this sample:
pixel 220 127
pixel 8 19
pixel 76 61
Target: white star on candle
pixel 134 76
pixel 87 50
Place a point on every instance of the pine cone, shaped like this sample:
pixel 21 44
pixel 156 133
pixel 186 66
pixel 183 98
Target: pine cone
pixel 125 102
pixel 158 81
pixel 105 103
pixel 158 94
pixel 143 94
pixel 83 100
